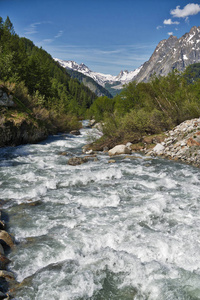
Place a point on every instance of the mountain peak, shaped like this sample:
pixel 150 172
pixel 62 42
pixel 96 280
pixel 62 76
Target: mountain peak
pixel 171 54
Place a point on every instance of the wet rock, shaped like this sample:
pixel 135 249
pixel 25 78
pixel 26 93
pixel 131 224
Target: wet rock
pixel 6 238
pixel 2 225
pixel 3 296
pixel 74 161
pixel 4 261
pixel 63 153
pixel 119 149
pixel 7 275
pixel 89 152
pixel 86 148
pixel 111 161
pixel 1 250
pixel 92 122
pixel 75 132
pixel 98 126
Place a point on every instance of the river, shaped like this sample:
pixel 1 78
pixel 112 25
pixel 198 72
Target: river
pixel 120 231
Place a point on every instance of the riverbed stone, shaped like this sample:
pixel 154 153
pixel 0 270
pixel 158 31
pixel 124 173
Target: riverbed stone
pixel 74 161
pixel 4 261
pixel 158 149
pixel 119 149
pixel 111 161
pixel 6 238
pixel 5 99
pixel 7 275
pixel 1 250
pixel 75 132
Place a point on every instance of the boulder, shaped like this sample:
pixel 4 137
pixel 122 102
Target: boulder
pixel 4 261
pixel 74 161
pixel 89 152
pixel 6 238
pixel 111 161
pixel 3 296
pixel 2 225
pixel 92 122
pixel 128 145
pixel 5 99
pixel 119 149
pixel 158 149
pixel 1 250
pixel 7 275
pixel 75 132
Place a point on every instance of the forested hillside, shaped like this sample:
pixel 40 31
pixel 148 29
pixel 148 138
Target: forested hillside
pixel 90 83
pixel 41 88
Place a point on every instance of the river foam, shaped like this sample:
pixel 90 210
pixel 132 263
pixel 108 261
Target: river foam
pixel 128 230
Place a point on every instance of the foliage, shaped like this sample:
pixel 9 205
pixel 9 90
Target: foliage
pixel 21 61
pixel 192 73
pixel 40 86
pixel 149 108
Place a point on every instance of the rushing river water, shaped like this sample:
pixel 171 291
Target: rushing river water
pixel 100 231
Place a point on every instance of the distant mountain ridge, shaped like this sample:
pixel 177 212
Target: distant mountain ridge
pixel 170 54
pixel 122 78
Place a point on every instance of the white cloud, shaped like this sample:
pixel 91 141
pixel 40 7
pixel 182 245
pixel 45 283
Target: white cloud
pixel 59 34
pixel 32 28
pixel 170 33
pixel 158 27
pixel 48 40
pixel 189 10
pixel 170 22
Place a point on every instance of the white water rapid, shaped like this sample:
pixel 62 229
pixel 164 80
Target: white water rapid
pixel 100 231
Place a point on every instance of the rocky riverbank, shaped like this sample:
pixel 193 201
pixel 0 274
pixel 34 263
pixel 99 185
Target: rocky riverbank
pixel 24 132
pixel 7 278
pixel 182 143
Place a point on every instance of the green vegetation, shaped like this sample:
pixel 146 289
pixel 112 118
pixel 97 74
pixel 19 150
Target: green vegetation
pixel 40 86
pixel 148 108
pixel 192 73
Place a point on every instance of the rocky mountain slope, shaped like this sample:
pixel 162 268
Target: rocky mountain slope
pixel 172 53
pixel 96 88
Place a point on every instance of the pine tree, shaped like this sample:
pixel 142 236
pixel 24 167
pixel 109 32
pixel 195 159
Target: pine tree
pixel 9 26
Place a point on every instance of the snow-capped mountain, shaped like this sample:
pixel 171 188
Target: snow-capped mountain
pixel 100 78
pixel 172 53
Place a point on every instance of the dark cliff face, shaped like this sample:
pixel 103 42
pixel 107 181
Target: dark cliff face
pixel 172 53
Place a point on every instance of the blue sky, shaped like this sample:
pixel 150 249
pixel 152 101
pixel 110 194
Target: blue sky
pixel 107 35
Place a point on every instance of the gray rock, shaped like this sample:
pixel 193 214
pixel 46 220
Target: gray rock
pixel 172 53
pixel 74 161
pixel 5 99
pixel 158 149
pixel 75 132
pixel 119 149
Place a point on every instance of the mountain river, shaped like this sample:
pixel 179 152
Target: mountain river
pixel 100 231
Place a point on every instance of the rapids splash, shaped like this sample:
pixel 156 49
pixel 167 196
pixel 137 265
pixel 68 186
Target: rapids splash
pixel 129 230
